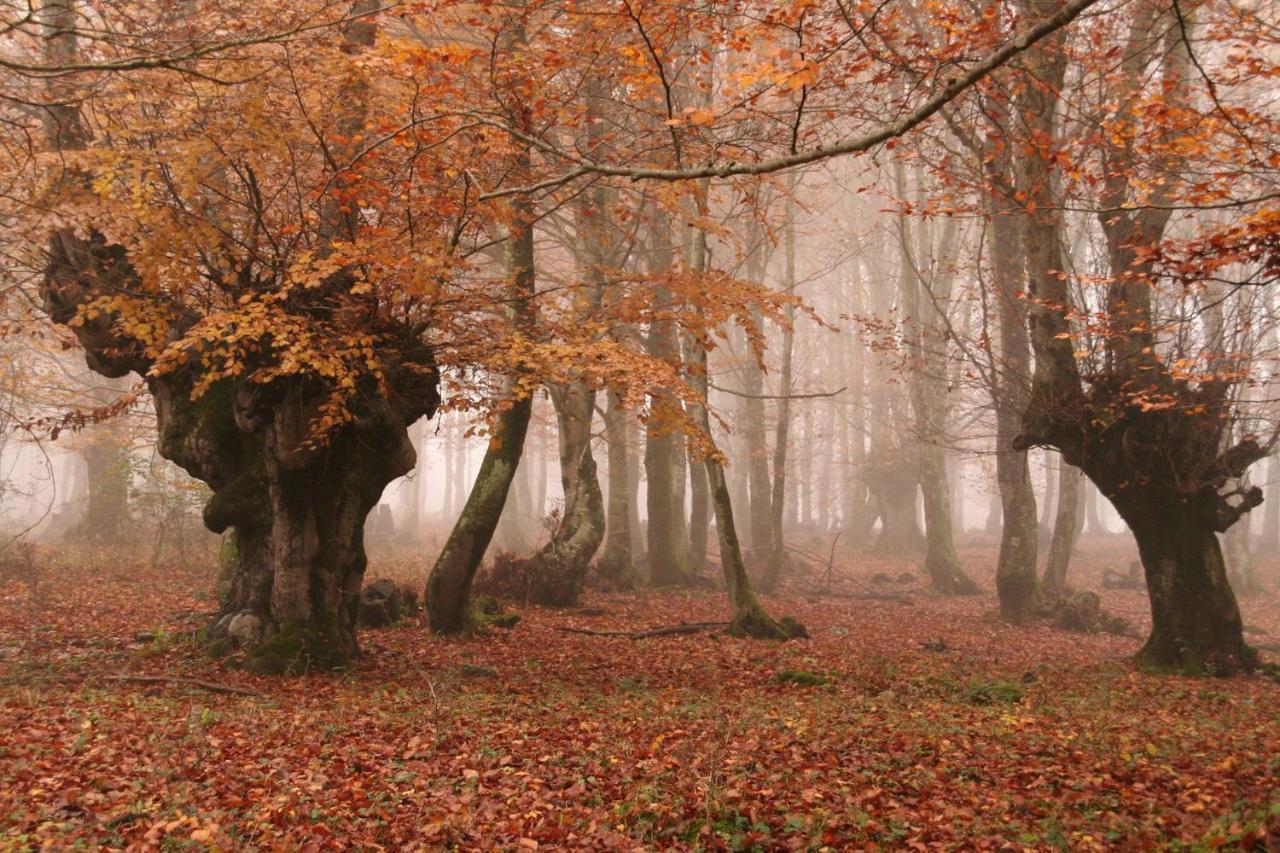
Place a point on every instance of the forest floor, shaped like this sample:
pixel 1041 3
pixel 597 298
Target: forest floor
pixel 900 724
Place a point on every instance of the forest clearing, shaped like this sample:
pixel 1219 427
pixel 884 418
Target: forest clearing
pixel 924 722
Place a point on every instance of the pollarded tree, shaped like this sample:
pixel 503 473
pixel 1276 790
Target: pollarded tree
pixel 1148 415
pixel 281 374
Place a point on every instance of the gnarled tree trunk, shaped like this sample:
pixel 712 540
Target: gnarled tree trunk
pixel 558 570
pixel 297 505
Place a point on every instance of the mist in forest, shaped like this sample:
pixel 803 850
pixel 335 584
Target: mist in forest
pixel 639 425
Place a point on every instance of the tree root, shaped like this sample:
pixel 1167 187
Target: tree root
pixel 753 622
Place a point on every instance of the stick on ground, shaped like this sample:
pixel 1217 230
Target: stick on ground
pixel 682 628
pixel 190 682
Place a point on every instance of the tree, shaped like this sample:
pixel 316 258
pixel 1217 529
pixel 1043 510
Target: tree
pixel 1149 432
pixel 238 411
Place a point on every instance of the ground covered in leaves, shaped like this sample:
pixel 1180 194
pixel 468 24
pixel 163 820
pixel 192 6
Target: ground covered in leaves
pixel 911 723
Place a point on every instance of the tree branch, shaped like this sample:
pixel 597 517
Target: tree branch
pixel 952 90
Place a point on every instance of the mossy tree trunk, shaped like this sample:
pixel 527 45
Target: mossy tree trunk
pixel 1195 622
pixel 449 585
pixel 1170 471
pixel 297 506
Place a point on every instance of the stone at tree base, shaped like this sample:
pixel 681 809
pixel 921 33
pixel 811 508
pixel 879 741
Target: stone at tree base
pixel 382 603
pixel 244 628
pixel 1079 611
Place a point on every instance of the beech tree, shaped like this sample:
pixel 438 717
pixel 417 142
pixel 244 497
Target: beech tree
pixel 1148 417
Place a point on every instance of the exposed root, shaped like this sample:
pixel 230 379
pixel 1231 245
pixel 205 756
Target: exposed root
pixel 753 622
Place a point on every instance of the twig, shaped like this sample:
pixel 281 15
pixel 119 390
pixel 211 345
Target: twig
pixel 127 817
pixel 831 561
pixel 190 682
pixel 682 628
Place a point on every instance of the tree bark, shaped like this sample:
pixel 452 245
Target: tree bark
pixel 1164 469
pixel 616 563
pixel 663 447
pixel 1093 525
pixel 297 506
pixel 558 570
pixel 749 617
pixel 995 517
pixel 1017 586
pixel 777 543
pixel 1196 625
pixel 1067 524
pixel 449 585
pixel 928 392
pixel 699 515
pixel 107 475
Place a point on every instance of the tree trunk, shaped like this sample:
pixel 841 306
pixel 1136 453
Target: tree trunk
pixel 941 563
pixel 1239 558
pixel 1271 517
pixel 1196 625
pixel 749 617
pixel 1067 524
pixel 558 570
pixel 664 450
pixel 777 500
pixel 955 475
pixel 297 507
pixel 699 515
pixel 860 513
pixel 995 518
pixel 928 390
pixel 895 489
pixel 661 452
pixel 639 533
pixel 1093 525
pixel 1049 507
pixel 616 563
pixel 1017 586
pixel 449 586
pixel 106 462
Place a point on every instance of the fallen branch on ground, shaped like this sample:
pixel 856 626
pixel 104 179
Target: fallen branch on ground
pixel 190 682
pixel 868 596
pixel 682 628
